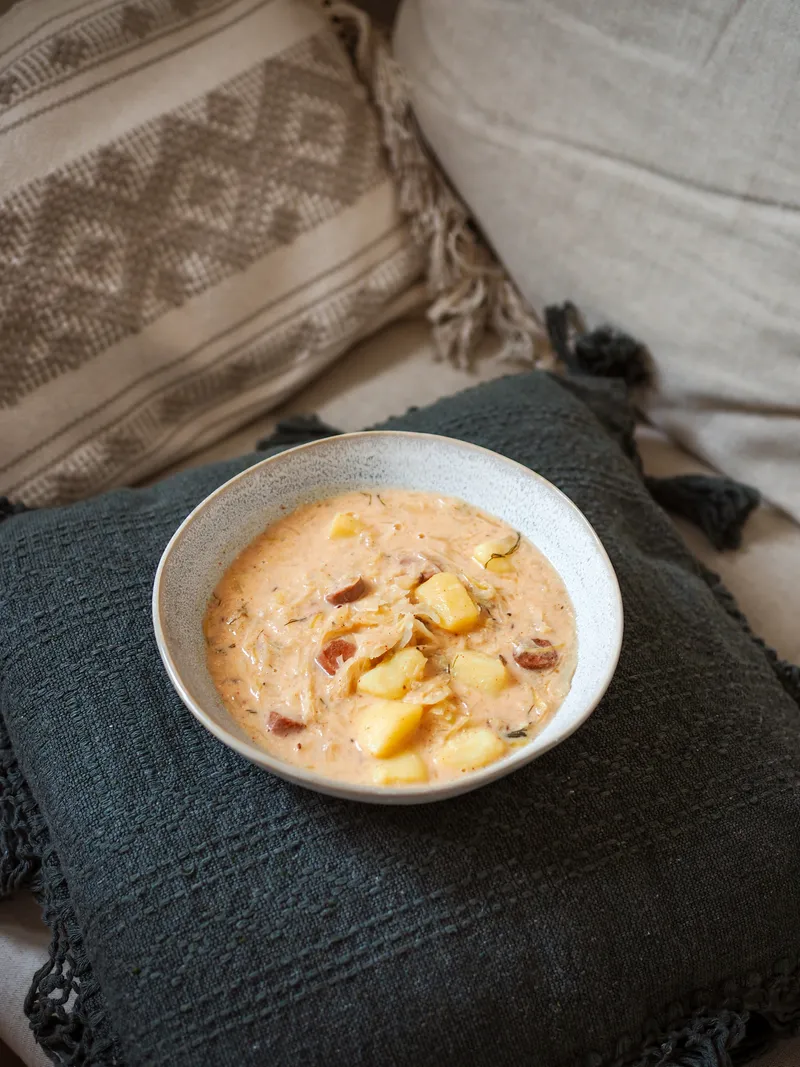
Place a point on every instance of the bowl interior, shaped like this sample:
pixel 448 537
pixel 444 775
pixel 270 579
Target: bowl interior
pixel 215 533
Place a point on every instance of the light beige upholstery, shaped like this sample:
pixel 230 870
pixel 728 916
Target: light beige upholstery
pixel 640 157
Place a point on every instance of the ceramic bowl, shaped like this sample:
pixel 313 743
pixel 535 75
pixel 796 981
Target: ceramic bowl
pixel 218 529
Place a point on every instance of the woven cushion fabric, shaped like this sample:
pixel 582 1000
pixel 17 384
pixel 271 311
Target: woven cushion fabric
pixel 630 897
pixel 195 218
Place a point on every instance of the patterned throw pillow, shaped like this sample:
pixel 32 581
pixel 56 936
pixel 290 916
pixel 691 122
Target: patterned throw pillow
pixel 195 217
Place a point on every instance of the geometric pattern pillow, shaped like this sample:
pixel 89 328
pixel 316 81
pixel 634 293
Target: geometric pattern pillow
pixel 195 217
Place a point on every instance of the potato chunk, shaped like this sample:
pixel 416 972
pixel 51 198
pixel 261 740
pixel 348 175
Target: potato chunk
pixel 386 726
pixel 404 769
pixel 394 676
pixel 495 555
pixel 452 606
pixel 479 671
pixel 345 524
pixel 471 748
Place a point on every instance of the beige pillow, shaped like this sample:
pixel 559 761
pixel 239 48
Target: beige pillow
pixel 640 158
pixel 196 216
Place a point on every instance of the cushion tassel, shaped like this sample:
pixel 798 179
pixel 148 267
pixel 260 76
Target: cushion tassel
pixel 471 294
pixel 705 1041
pixel 297 430
pixel 9 508
pixel 602 353
pixel 719 506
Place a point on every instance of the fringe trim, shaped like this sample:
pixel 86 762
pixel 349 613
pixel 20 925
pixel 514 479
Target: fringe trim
pixel 470 291
pixel 63 1005
pixel 730 1027
pixel 719 506
pixel 19 861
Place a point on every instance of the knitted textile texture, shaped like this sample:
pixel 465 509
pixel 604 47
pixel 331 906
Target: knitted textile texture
pixel 632 897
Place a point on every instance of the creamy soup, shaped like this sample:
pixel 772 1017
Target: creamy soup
pixel 390 638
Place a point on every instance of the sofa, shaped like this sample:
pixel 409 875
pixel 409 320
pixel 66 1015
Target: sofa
pixel 396 368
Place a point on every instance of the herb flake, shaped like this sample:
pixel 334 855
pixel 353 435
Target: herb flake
pixel 505 555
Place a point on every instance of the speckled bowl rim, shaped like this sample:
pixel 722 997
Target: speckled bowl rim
pixel 414 794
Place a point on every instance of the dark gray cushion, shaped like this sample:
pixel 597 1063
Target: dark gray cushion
pixel 635 893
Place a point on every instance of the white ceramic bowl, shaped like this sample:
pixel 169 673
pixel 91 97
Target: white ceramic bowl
pixel 225 522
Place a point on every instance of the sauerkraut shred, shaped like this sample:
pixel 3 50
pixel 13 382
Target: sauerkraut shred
pixel 378 624
pixel 274 641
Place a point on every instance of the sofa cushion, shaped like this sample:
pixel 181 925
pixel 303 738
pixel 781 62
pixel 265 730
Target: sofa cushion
pixel 195 218
pixel 639 157
pixel 600 900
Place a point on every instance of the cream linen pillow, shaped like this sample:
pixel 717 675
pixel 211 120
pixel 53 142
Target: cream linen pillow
pixel 196 216
pixel 640 158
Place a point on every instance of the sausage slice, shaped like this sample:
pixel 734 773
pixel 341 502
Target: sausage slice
pixel 281 725
pixel 347 593
pixel 335 653
pixel 536 655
